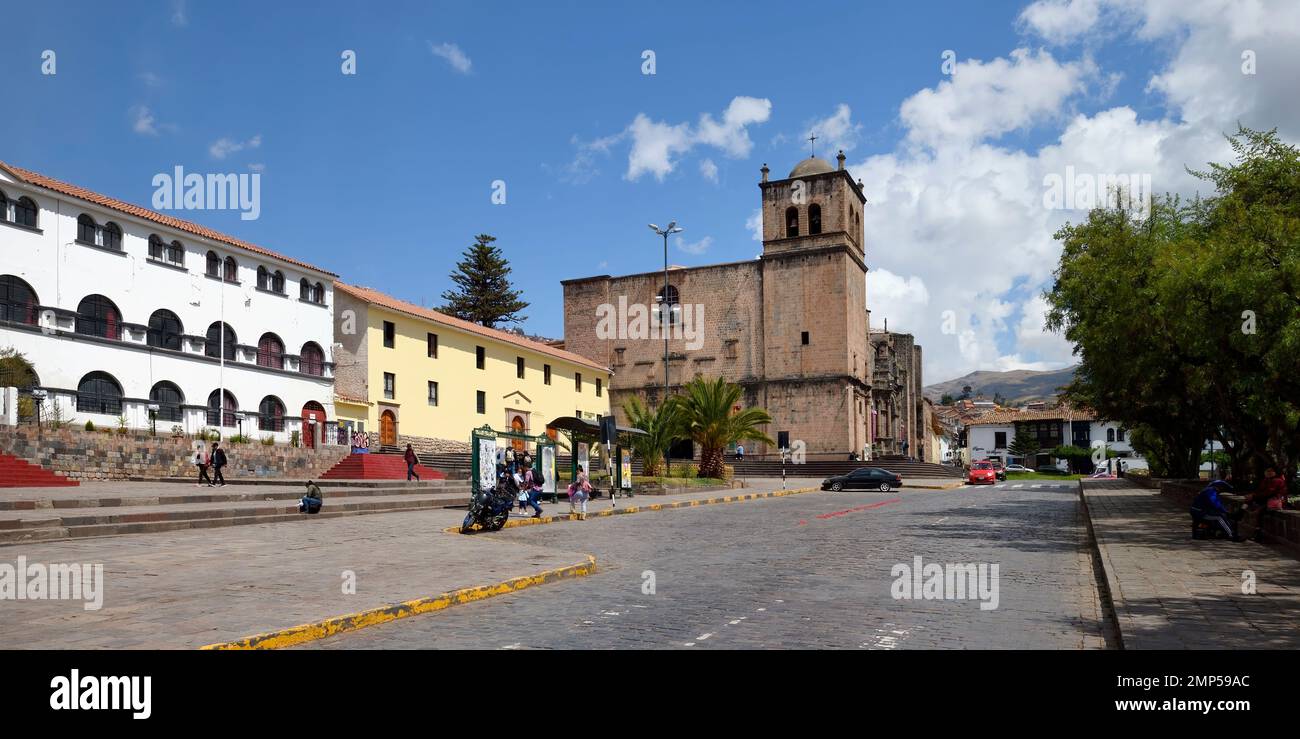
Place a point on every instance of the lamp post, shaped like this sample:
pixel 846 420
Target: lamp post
pixel 38 396
pixel 153 419
pixel 664 309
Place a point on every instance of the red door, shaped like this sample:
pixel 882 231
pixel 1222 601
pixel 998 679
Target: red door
pixel 388 428
pixel 313 420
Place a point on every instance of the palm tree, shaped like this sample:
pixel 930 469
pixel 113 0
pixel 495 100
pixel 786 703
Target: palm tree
pixel 662 427
pixel 707 418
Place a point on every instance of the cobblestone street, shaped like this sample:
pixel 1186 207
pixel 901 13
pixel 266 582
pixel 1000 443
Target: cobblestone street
pixel 810 571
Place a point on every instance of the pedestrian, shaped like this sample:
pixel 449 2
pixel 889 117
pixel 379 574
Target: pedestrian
pixel 579 494
pixel 201 461
pixel 218 461
pixel 1208 509
pixel 533 482
pixel 522 484
pixel 312 501
pixel 510 459
pixel 411 461
pixel 740 452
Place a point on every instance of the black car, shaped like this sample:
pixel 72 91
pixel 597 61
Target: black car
pixel 864 478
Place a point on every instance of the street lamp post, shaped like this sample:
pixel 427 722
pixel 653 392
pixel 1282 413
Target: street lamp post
pixel 664 311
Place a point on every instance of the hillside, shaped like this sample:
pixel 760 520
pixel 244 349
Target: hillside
pixel 1017 386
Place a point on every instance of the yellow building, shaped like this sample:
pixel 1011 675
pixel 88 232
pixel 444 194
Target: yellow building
pixel 414 375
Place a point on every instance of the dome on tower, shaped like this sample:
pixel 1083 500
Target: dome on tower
pixel 811 166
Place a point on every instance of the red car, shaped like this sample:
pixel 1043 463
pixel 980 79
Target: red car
pixel 982 472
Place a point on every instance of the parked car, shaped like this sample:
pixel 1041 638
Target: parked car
pixel 1018 468
pixel 864 478
pixel 999 469
pixel 1050 469
pixel 981 472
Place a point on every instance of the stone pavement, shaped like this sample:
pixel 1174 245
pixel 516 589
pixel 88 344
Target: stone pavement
pixel 1173 592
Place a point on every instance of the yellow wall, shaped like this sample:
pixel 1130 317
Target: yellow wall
pixel 458 379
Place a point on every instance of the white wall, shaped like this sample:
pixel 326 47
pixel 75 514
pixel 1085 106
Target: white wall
pixel 62 272
pixel 982 440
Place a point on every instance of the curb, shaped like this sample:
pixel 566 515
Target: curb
pixel 1103 571
pixel 371 617
pixel 517 522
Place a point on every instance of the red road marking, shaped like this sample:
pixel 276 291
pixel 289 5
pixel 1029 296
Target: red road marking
pixel 860 508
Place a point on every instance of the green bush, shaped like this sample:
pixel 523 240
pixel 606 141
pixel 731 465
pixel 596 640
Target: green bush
pixel 268 440
pixel 90 425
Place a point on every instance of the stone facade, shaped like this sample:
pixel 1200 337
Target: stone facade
pixel 91 455
pixel 897 395
pixel 789 327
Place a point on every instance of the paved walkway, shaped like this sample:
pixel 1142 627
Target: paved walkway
pixel 1173 592
pixel 186 589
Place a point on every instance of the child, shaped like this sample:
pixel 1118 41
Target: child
pixel 580 493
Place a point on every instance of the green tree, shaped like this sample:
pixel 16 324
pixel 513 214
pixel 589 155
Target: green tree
pixel 1025 447
pixel 1075 455
pixel 947 399
pixel 1200 300
pixel 16 370
pixel 708 417
pixel 484 293
pixel 662 426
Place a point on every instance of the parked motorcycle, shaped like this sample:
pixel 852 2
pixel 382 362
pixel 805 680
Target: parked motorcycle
pixel 489 508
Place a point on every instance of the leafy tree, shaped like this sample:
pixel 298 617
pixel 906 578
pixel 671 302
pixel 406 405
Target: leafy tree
pixel 16 370
pixel 947 399
pixel 484 294
pixel 707 417
pixel 662 426
pixel 1075 455
pixel 1186 319
pixel 965 392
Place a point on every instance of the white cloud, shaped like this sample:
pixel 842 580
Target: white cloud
pixel 694 247
pixel 657 145
pixel 1061 20
pixel 143 121
pixel 709 170
pixel 224 147
pixel 452 53
pixel 835 132
pixel 754 224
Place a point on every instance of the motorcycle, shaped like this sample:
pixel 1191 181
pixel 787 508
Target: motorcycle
pixel 489 508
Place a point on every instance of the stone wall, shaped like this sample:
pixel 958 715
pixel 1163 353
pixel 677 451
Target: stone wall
pixel 91 455
pixel 423 444
pixel 1281 528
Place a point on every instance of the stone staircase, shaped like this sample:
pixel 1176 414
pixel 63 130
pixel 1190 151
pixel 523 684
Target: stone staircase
pixel 19 473
pixel 377 466
pixel 88 514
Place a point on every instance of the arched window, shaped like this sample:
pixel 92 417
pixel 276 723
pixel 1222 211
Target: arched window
pixel 25 212
pixel 98 392
pixel 214 264
pixel 277 282
pixel 97 316
pixel 175 253
pixel 1110 434
pixel 232 270
pixel 4 206
pixel 311 360
pixel 674 304
pixel 791 222
pixel 169 399
pixel 112 236
pixel 270 351
pixel 270 414
pixel 17 301
pixel 814 219
pixel 156 247
pixel 318 294
pixel 220 336
pixel 85 229
pixel 263 278
pixel 304 289
pixel 165 330
pixel 222 414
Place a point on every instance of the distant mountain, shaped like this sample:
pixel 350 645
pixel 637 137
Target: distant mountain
pixel 1016 386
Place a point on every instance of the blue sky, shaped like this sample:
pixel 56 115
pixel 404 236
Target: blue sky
pixel 385 176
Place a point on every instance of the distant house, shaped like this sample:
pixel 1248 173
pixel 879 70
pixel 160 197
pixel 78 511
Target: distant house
pixel 991 436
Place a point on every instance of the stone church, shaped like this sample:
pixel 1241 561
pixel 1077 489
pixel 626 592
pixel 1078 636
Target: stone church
pixel 790 327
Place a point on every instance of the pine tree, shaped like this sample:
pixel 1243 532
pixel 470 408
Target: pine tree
pixel 484 295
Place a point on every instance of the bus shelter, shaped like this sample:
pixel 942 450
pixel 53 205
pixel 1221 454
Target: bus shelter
pixel 583 435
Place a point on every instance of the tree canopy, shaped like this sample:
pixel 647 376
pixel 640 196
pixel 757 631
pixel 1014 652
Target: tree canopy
pixel 484 294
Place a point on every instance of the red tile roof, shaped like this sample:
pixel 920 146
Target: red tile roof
pixel 1051 414
pixel 49 183
pixel 401 306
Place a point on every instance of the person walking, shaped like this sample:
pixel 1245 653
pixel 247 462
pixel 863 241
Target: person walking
pixel 201 461
pixel 218 461
pixel 579 494
pixel 740 452
pixel 533 484
pixel 411 461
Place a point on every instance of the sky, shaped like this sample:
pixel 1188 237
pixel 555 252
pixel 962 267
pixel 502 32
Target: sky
pixel 955 116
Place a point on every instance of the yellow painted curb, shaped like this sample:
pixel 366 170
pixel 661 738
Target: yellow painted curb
pixel 354 621
pixel 516 522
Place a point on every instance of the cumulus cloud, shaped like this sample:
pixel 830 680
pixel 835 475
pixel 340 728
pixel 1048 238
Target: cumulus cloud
pixel 454 56
pixel 754 224
pixel 835 132
pixel 694 247
pixel 709 170
pixel 657 145
pixel 224 147
pixel 143 121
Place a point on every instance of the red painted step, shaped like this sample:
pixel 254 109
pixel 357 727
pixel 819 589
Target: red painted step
pixel 377 467
pixel 18 473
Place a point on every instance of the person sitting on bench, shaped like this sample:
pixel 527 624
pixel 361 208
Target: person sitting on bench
pixel 1208 509
pixel 311 502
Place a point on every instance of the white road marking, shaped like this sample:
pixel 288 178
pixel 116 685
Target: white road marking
pixel 761 610
pixel 1018 485
pixel 702 637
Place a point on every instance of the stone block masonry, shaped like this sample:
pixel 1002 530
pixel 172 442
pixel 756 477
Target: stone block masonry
pixel 90 455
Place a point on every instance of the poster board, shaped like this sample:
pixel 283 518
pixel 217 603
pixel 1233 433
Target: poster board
pixel 625 466
pixel 487 462
pixel 548 468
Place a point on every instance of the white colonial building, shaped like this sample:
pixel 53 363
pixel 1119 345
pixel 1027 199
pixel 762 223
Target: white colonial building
pixel 991 435
pixel 127 313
